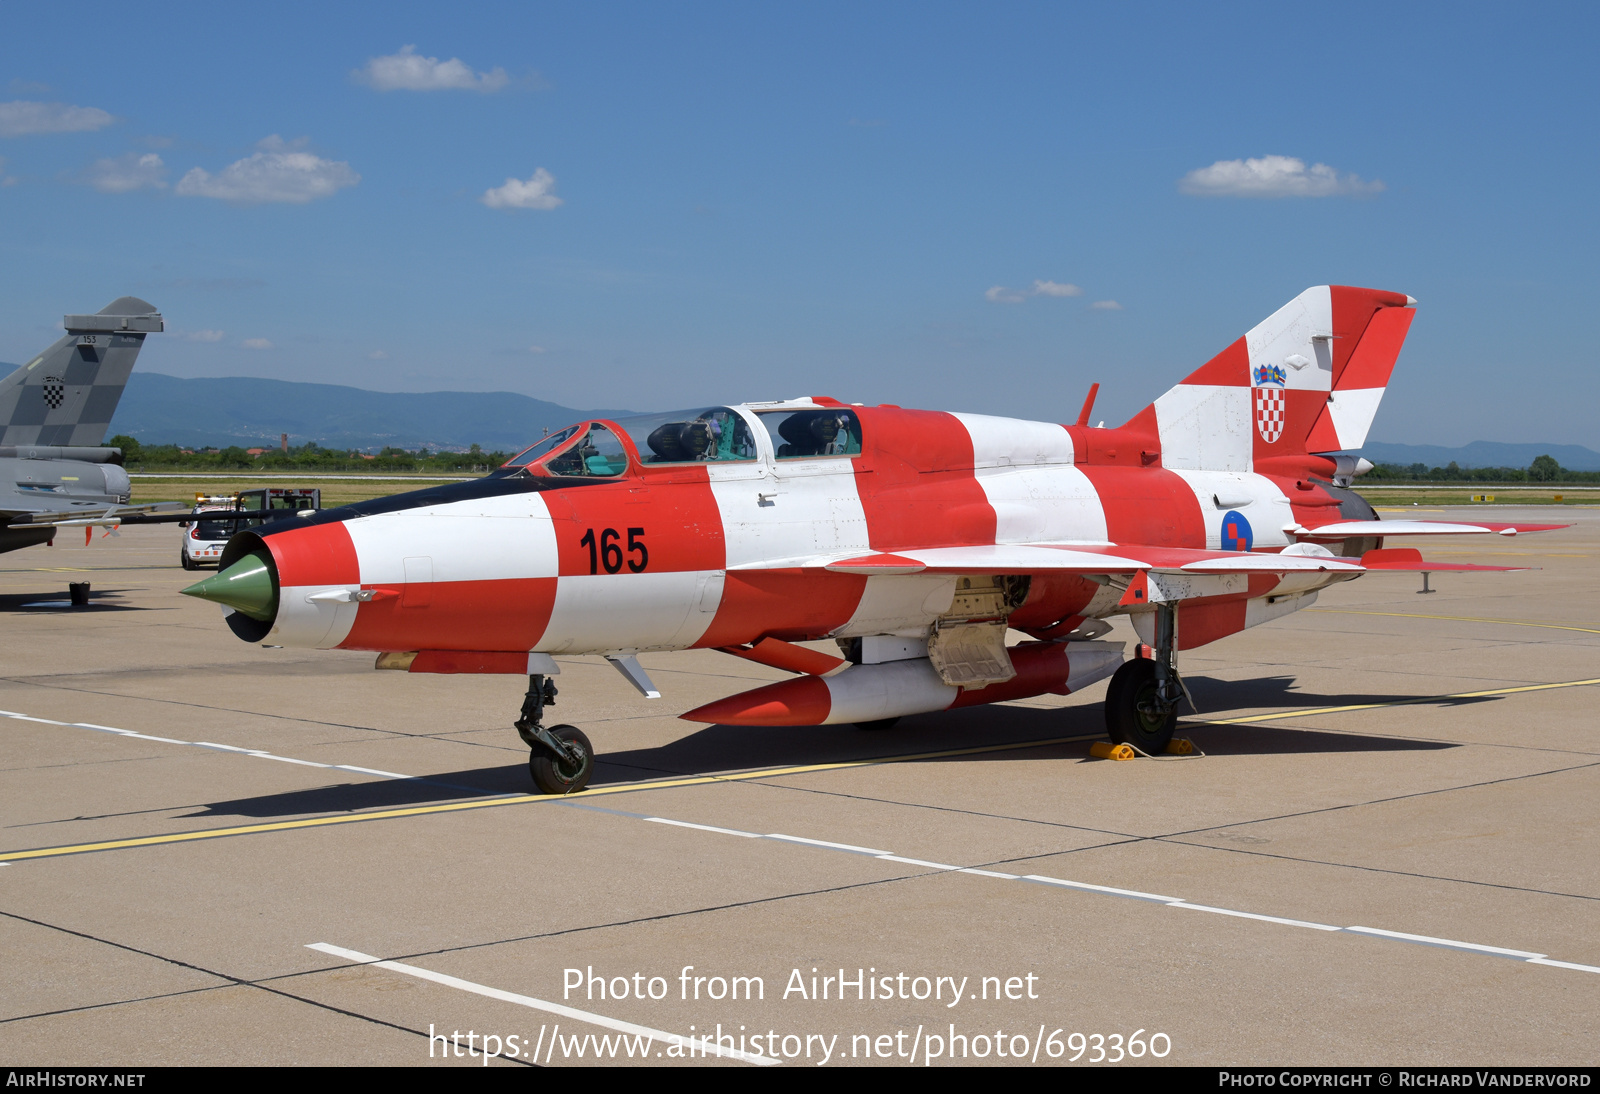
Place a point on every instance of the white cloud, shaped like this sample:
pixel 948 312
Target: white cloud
pixel 280 172
pixel 5 179
pixel 201 335
pixel 21 117
pixel 1001 294
pixel 1055 288
pixel 517 194
pixel 537 349
pixel 1273 177
pixel 1106 305
pixel 128 172
pixel 405 71
pixel 256 343
pixel 377 355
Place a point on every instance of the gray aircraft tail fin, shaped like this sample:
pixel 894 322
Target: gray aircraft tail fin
pixel 67 394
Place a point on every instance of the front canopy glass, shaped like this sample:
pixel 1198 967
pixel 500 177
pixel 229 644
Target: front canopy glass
pixel 590 449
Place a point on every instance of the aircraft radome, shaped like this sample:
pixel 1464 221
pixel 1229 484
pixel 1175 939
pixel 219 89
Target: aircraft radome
pixel 914 538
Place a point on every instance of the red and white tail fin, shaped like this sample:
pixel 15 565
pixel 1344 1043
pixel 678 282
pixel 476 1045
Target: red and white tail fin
pixel 1305 380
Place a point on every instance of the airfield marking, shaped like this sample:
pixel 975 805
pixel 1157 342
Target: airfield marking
pixel 1459 619
pixel 255 752
pixel 1526 956
pixel 518 799
pixel 696 1044
pixel 659 784
pixel 1281 715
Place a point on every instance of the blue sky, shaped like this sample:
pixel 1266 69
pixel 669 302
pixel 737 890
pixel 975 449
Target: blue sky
pixel 663 205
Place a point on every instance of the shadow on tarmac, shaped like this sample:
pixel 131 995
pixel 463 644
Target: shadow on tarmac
pixel 720 748
pixel 57 600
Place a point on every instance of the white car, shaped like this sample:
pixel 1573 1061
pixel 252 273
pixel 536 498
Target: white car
pixel 203 540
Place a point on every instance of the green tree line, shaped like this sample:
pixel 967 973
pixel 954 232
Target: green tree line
pixel 1543 469
pixel 306 457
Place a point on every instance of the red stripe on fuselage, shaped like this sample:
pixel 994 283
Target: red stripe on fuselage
pixel 916 481
pixel 460 615
pixel 318 554
pixel 790 606
pixel 670 513
pixel 1148 506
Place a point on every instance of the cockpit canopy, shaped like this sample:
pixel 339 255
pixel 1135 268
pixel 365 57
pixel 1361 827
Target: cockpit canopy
pixel 713 434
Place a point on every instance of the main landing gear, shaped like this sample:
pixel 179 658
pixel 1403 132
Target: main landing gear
pixel 562 758
pixel 1142 700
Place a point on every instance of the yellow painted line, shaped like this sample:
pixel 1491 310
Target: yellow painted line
pixel 520 799
pixel 1460 619
pixel 1395 703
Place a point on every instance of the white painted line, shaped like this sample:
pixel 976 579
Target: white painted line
pixel 1134 893
pixel 918 862
pixel 704 827
pixel 1562 964
pixel 1447 943
pixel 874 852
pixel 1253 915
pixel 286 759
pixel 540 1004
pixel 211 745
pixel 991 873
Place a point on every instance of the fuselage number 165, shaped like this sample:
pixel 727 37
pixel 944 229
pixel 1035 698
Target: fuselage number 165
pixel 607 552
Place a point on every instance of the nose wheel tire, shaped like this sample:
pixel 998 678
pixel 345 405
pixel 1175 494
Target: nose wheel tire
pixel 1134 713
pixel 562 776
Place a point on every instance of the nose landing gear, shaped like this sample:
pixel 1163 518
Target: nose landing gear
pixel 562 759
pixel 1142 699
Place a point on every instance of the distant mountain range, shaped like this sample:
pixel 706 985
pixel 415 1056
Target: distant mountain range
pixel 250 412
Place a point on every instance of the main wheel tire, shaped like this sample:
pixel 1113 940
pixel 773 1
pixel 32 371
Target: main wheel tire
pixel 879 723
pixel 1135 682
pixel 554 776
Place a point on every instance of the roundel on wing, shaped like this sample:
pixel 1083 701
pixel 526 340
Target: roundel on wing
pixel 1236 535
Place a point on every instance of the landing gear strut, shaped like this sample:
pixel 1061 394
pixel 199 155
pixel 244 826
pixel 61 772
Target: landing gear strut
pixel 1142 700
pixel 562 758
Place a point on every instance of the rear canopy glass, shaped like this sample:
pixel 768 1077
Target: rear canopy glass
pixel 828 431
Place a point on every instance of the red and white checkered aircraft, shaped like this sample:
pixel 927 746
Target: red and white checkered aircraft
pixel 914 538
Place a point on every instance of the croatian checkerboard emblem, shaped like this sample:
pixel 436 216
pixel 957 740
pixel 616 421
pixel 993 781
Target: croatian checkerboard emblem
pixel 1270 381
pixel 55 392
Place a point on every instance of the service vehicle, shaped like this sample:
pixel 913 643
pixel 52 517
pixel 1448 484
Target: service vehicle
pixel 217 518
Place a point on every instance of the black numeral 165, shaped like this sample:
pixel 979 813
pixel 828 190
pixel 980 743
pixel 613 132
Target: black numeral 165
pixel 608 552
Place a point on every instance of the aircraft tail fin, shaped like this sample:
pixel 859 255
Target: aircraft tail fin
pixel 1306 380
pixel 67 394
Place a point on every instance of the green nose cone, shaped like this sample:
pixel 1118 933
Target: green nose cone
pixel 246 586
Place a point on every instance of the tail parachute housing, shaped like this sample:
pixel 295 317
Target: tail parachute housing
pixel 1306 381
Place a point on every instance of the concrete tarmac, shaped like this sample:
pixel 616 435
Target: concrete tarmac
pixel 1386 854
